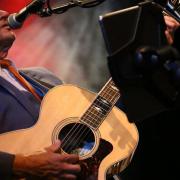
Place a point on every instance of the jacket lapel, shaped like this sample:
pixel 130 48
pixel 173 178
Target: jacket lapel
pixel 21 97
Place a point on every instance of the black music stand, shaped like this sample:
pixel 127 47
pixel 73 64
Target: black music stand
pixel 125 31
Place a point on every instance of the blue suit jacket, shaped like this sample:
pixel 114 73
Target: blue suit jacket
pixel 20 110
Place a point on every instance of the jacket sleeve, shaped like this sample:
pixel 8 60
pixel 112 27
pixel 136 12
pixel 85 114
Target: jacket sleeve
pixel 6 164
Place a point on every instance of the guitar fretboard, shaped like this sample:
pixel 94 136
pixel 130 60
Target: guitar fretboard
pixel 102 105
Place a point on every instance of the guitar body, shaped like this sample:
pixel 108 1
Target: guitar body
pixel 106 150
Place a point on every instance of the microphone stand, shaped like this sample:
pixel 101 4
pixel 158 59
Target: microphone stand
pixel 43 9
pixel 48 11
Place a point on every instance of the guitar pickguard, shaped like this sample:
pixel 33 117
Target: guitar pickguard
pixel 91 165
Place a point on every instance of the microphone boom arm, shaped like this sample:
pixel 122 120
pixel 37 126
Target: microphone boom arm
pixel 43 9
pixel 45 12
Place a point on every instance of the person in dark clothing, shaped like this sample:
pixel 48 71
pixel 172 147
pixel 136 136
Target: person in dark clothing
pixel 156 156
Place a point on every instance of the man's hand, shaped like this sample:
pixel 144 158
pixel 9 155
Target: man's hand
pixel 172 25
pixel 48 164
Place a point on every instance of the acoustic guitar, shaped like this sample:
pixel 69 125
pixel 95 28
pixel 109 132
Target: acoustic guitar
pixel 87 124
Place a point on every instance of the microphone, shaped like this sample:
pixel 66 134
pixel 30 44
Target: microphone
pixel 16 20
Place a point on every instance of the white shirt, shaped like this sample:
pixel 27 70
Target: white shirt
pixel 8 76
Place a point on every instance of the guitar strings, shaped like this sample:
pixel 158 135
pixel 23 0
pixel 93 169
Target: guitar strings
pixel 84 113
pixel 76 127
pixel 79 127
pixel 87 134
pixel 75 124
pixel 79 140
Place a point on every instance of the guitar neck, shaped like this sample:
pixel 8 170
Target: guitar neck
pixel 102 105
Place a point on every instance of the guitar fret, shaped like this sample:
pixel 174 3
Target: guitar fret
pixel 90 118
pixel 96 117
pixel 101 112
pixel 109 94
pixel 96 114
pixel 110 89
pixel 110 98
pixel 90 121
pixel 101 109
pixel 105 103
pixel 102 105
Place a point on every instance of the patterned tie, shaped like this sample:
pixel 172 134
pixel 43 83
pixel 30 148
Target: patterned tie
pixel 6 63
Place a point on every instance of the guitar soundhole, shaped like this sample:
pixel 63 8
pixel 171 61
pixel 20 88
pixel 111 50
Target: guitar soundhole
pixel 77 138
